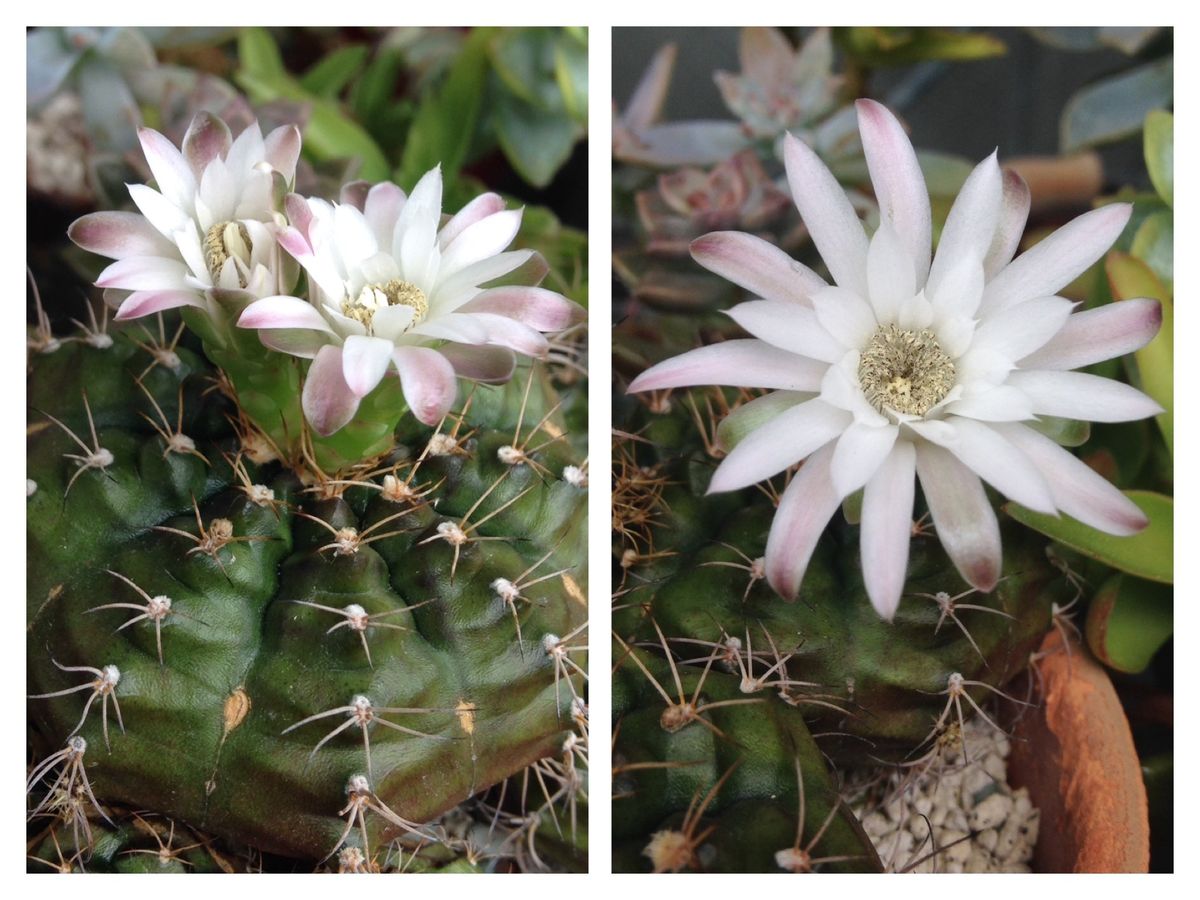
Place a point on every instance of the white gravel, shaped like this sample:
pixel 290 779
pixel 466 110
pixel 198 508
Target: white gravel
pixel 997 826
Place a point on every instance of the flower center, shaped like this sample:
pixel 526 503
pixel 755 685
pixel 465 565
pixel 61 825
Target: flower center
pixel 225 240
pixel 375 297
pixel 905 371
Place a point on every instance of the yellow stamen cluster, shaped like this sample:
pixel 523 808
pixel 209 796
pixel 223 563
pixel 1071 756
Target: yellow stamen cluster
pixel 905 371
pixel 374 297
pixel 225 240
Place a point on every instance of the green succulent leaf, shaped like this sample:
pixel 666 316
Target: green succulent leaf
pixel 1116 107
pixel 1160 153
pixel 905 46
pixel 1128 621
pixel 536 142
pixel 330 75
pixel 1148 554
pixel 1130 277
pixel 447 117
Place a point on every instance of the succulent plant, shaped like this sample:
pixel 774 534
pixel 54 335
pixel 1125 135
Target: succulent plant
pixel 242 631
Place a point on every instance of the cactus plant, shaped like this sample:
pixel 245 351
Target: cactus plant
pixel 357 648
pixel 771 636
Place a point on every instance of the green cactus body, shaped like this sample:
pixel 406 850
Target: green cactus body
pixel 835 684
pixel 208 738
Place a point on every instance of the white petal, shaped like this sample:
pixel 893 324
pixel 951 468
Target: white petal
pixel 1077 395
pixel 482 240
pixel 354 237
pixel 828 215
pixel 971 224
pixel 461 286
pixel 1054 262
pixel 840 388
pixel 158 210
pixel 247 150
pixel 453 327
pixel 982 449
pixel 482 206
pixel 144 273
pixel 365 360
pixel 1014 212
pixel 740 363
pixel 959 290
pixel 1019 330
pixel 859 453
pixel 425 202
pixel 392 321
pixel 1078 490
pixel 171 171
pixel 119 234
pixel 962 515
pixel 1001 403
pixel 889 274
pixel 1094 335
pixel 887 528
pixel 218 193
pixel 782 442
pixel 804 510
pixel 846 316
pixel 382 209
pixel 789 326
pixel 899 184
pixel 419 256
pixel 756 265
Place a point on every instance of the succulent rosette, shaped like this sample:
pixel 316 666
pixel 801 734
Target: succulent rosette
pixel 207 227
pixel 915 366
pixel 391 286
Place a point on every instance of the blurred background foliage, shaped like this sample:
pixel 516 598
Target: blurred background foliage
pixel 1083 114
pixel 501 108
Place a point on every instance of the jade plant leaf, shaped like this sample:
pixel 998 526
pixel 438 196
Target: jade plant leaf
pixel 1148 554
pixel 1116 107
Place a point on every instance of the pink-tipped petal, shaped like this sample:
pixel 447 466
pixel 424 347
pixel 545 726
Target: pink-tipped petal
pixel 535 307
pixel 1078 395
pixel 118 235
pixel 1055 261
pixel 993 458
pixel 207 138
pixel 144 273
pixel 491 365
pixel 283 312
pixel 294 341
pixel 171 171
pixel 145 303
pixel 354 193
pixel 756 265
pixel 887 528
pixel 300 215
pixel 282 148
pixel 858 454
pixel 503 332
pixel 788 326
pixel 899 184
pixel 382 209
pixel 804 510
pixel 962 516
pixel 1095 335
pixel 969 229
pixel 428 382
pixel 1014 213
pixel 1078 490
pixel 784 441
pixel 327 400
pixel 828 215
pixel 365 361
pixel 740 363
pixel 478 209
